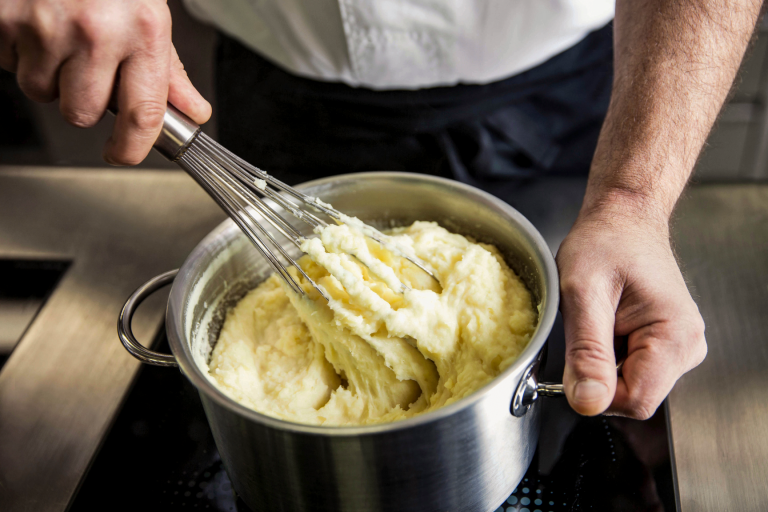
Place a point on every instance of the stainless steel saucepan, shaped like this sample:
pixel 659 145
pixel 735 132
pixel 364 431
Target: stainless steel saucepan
pixel 468 456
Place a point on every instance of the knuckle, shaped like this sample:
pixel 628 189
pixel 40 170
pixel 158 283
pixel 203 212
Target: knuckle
pixel 92 28
pixel 179 66
pixel 146 117
pixel 695 340
pixel 152 22
pixel 584 353
pixel 658 349
pixel 642 412
pixel 584 346
pixel 80 117
pixel 636 409
pixel 644 407
pixel 570 286
pixel 699 352
pixel 585 290
pixel 699 325
pixel 35 88
pixel 43 23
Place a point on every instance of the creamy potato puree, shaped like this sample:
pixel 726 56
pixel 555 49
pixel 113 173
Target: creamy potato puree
pixel 375 353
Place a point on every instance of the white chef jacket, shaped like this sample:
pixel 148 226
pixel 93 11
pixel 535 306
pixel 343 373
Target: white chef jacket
pixel 406 44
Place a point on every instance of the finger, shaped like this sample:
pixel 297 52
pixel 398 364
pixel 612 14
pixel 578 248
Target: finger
pixel 183 95
pixel 589 379
pixel 85 86
pixel 142 102
pixel 8 58
pixel 37 69
pixel 658 355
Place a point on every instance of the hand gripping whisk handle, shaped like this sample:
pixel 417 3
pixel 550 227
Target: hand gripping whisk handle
pixel 178 133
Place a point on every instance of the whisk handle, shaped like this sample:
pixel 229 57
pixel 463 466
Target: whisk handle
pixel 178 133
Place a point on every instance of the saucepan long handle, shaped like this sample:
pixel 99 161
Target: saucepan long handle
pixel 125 332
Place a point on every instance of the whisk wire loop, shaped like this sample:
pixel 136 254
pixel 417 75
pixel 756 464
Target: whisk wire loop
pixel 243 192
pixel 241 216
pixel 239 203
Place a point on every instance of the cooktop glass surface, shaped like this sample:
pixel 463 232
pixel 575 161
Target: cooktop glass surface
pixel 160 455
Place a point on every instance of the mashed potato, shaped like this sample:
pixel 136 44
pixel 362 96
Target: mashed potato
pixel 377 351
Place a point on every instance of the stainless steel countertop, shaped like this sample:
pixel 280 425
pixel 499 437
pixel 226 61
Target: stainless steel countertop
pixel 719 412
pixel 66 379
pixel 64 383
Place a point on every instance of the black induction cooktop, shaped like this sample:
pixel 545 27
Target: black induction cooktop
pixel 160 455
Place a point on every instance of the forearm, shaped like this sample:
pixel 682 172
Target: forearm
pixel 675 61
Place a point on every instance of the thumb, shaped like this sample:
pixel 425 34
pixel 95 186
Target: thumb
pixel 590 364
pixel 183 95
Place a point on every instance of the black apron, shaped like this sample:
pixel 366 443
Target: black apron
pixel 544 121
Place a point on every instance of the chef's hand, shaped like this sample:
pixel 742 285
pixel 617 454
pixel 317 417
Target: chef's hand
pixel 619 277
pixel 78 50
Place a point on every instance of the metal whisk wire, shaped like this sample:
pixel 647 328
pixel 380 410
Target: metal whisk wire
pixel 230 187
pixel 240 189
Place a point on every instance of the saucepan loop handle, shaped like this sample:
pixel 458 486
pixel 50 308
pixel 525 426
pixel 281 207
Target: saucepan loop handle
pixel 529 389
pixel 125 332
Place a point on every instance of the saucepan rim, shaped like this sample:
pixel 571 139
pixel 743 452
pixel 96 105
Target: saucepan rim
pixel 548 311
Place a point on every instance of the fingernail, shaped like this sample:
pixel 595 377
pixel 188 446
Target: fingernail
pixel 589 390
pixel 111 162
pixel 105 152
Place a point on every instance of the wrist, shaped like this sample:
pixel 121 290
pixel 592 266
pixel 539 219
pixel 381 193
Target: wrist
pixel 625 208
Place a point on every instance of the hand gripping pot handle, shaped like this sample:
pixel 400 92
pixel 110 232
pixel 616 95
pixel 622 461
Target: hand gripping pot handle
pixel 125 332
pixel 530 389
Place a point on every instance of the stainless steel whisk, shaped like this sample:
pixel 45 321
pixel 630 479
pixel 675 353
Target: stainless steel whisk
pixel 240 188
